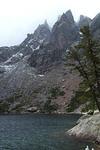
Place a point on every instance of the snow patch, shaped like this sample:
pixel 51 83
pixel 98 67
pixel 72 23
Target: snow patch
pixel 80 33
pixel 41 75
pixel 37 47
pixel 33 49
pixel 9 60
pixel 30 41
pixel 21 54
pixel 8 67
pixel 41 41
pixel 67 50
pixel 17 55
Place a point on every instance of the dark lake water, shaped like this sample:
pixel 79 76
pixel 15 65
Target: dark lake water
pixel 38 132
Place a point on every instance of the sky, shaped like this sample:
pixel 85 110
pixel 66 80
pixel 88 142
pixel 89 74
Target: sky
pixel 19 17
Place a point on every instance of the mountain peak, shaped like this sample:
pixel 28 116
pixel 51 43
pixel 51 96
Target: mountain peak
pixel 67 17
pixel 82 17
pixel 45 22
pixel 97 16
pixel 64 31
pixel 69 12
pixel 84 21
pixel 42 32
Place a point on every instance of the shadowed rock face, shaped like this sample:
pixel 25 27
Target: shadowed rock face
pixel 64 31
pixel 95 26
pixel 84 21
pixel 42 33
pixel 63 34
pixel 7 52
pixel 44 58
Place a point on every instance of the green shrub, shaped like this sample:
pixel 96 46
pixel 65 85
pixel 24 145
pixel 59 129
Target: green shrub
pixel 49 107
pixel 18 107
pixel 54 92
pixel 4 107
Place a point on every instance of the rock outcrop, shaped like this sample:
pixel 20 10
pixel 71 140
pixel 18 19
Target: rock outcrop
pixel 95 26
pixel 64 31
pixel 41 35
pixel 84 21
pixel 7 52
pixel 63 34
pixel 88 128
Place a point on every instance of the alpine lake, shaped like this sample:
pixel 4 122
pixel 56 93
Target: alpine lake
pixel 39 132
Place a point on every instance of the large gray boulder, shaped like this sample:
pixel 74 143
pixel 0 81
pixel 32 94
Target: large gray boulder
pixel 88 128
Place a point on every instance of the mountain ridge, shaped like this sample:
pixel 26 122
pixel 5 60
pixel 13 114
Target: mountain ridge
pixel 28 71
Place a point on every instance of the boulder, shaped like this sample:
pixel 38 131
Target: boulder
pixel 87 128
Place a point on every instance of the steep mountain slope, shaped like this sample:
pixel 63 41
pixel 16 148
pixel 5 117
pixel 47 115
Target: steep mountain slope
pixel 28 71
pixel 64 31
pixel 7 52
pixel 14 68
pixel 88 127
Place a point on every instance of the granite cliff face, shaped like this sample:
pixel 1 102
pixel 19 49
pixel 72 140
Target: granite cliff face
pixel 28 71
pixel 64 31
pixel 84 21
pixel 95 26
pixel 63 34
pixel 41 35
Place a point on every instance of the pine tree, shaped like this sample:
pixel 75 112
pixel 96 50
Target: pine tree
pixel 85 57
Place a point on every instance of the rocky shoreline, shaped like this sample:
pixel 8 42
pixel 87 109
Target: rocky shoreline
pixel 88 127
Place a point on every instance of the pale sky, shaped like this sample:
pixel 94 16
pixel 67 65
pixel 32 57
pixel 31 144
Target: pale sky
pixel 19 17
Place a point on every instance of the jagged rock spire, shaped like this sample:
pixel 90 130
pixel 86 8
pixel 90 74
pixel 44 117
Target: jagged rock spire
pixel 84 21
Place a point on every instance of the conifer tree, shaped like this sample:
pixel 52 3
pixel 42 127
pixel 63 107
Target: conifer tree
pixel 85 57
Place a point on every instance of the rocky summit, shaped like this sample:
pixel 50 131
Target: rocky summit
pixel 64 31
pixel 84 21
pixel 33 74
